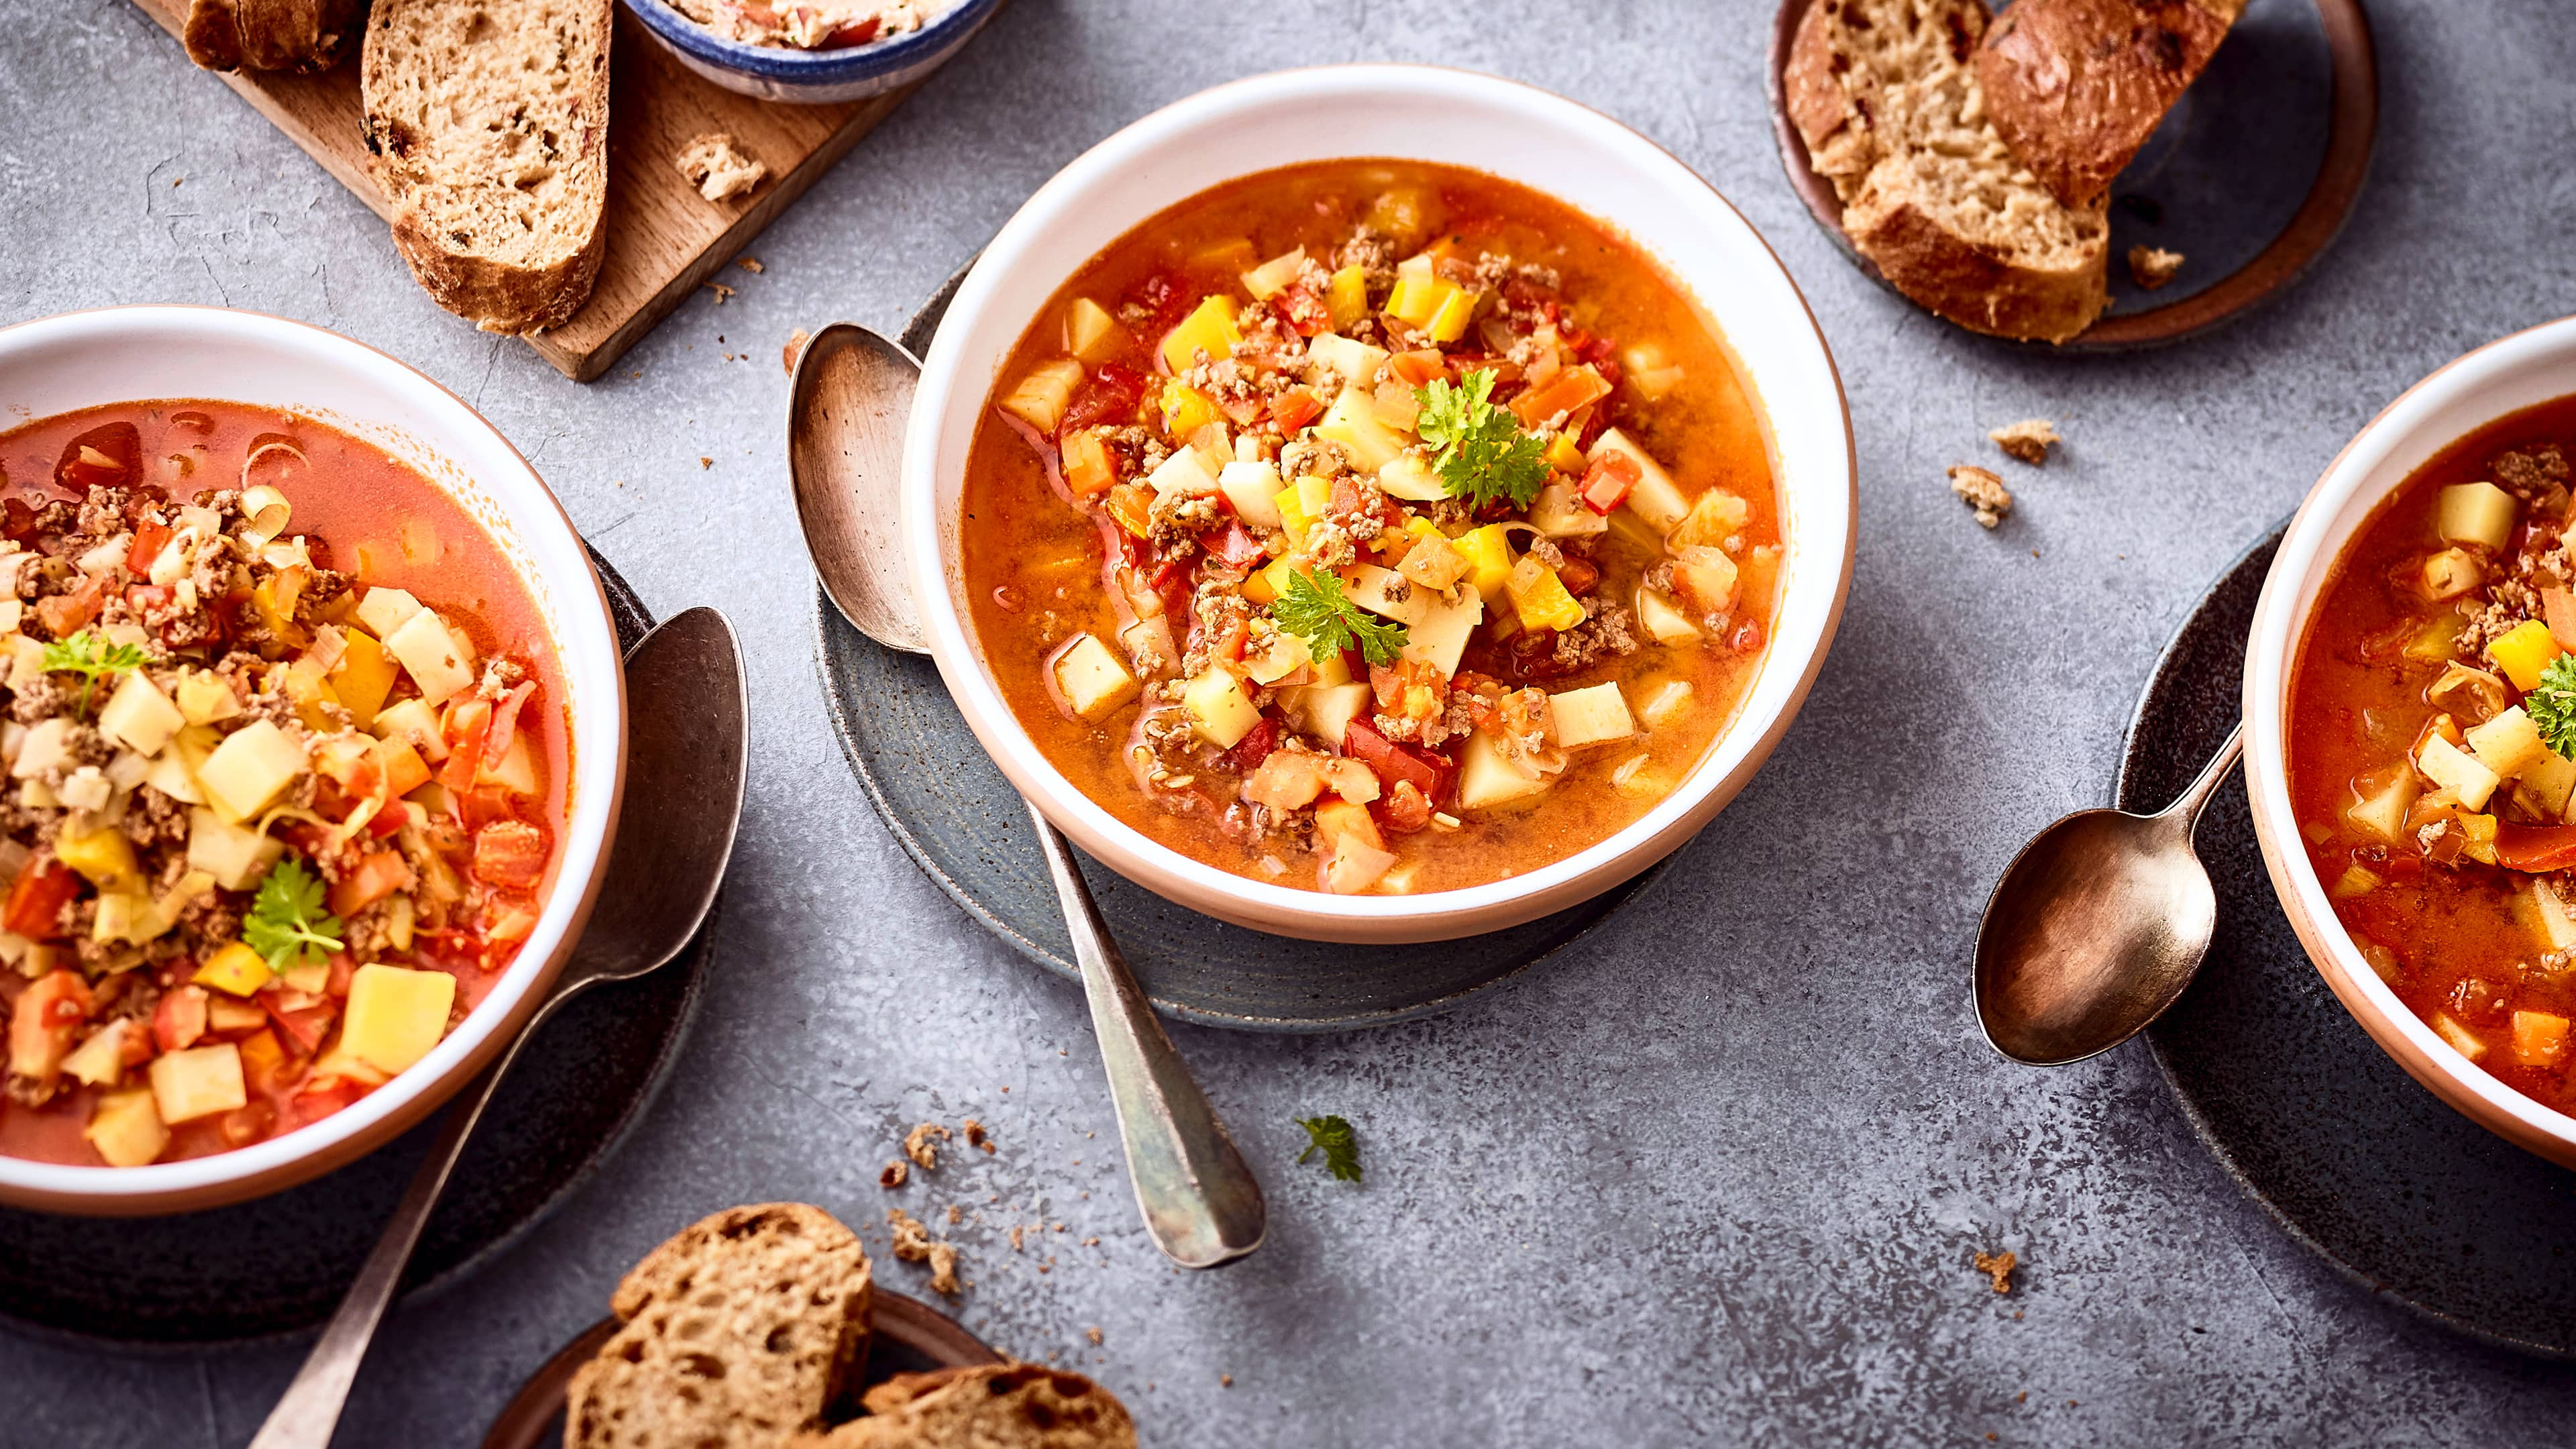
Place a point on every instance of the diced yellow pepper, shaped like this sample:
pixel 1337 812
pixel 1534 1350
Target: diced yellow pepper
pixel 1186 409
pixel 302 681
pixel 1292 515
pixel 1449 322
pixel 1539 597
pixel 1270 583
pixel 104 855
pixel 1419 297
pixel 1347 297
pixel 1488 552
pixel 2480 831
pixel 1563 455
pixel 2523 652
pixel 234 968
pixel 1209 329
pixel 363 677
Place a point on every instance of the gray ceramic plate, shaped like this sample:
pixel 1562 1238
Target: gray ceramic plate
pixel 2409 1199
pixel 278 1265
pixel 965 826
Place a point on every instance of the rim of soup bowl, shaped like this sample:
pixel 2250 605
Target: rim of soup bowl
pixel 1370 112
pixel 2504 376
pixel 552 560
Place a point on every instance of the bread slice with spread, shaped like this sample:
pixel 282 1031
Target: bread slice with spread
pixel 487 129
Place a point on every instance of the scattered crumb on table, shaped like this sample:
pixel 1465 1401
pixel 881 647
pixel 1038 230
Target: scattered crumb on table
pixel 720 289
pixel 1983 491
pixel 787 354
pixel 894 1174
pixel 976 1136
pixel 1092 1333
pixel 749 264
pixel 918 1144
pixel 715 164
pixel 2027 441
pixel 2152 267
pixel 1999 1267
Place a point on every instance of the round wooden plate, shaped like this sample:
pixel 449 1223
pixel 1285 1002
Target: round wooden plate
pixel 2251 176
pixel 2404 1196
pixel 905 1336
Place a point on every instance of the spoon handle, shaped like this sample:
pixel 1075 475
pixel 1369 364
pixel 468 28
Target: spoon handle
pixel 1200 1201
pixel 2186 808
pixel 309 1411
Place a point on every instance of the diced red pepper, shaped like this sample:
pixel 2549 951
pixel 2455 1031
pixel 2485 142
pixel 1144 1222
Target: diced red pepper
pixel 37 898
pixel 1295 408
pixel 1253 748
pixel 145 598
pixel 1174 585
pixel 1606 483
pixel 150 537
pixel 510 853
pixel 1426 771
pixel 324 1096
pixel 1303 311
pixel 180 1019
pixel 505 724
pixel 387 821
pixel 379 873
pixel 482 807
pixel 1236 548
pixel 1110 394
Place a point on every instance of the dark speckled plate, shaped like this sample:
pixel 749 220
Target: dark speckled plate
pixel 278 1265
pixel 2405 1196
pixel 965 826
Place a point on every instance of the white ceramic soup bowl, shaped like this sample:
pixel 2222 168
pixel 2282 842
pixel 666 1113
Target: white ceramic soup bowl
pixel 1413 113
pixel 129 354
pixel 2502 377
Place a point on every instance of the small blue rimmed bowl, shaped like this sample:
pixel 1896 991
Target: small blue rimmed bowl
pixel 814 77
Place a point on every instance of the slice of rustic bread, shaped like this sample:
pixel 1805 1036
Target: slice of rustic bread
pixel 487 128
pixel 739 1332
pixel 1892 114
pixel 301 35
pixel 994 1406
pixel 2076 86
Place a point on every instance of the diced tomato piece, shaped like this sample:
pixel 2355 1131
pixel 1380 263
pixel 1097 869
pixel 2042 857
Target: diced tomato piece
pixel 1403 809
pixel 1295 408
pixel 1110 394
pixel 1745 637
pixel 1173 583
pixel 392 818
pixel 43 1021
pixel 144 598
pixel 2535 848
pixel 479 808
pixel 1231 647
pixel 150 537
pixel 344 967
pixel 468 727
pixel 304 1026
pixel 1415 369
pixel 1253 748
pixel 1426 771
pixel 37 898
pixel 67 614
pixel 180 1019
pixel 508 919
pixel 247 1123
pixel 858 34
pixel 1303 311
pixel 379 873
pixel 1236 548
pixel 1606 483
pixel 107 456
pixel 511 853
pixel 319 1099
pixel 1169 297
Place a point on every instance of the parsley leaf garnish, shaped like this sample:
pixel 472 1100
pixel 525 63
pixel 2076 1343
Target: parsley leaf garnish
pixel 2552 706
pixel 289 923
pixel 1484 455
pixel 1332 1137
pixel 1315 610
pixel 93 659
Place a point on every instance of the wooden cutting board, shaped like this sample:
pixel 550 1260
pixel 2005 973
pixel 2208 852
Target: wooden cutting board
pixel 664 239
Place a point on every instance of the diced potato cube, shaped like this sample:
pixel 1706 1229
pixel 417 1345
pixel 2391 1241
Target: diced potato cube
pixel 1356 363
pixel 2539 1037
pixel 1714 517
pixel 235 857
pixel 2447 765
pixel 1183 472
pixel 1338 821
pixel 1560 512
pixel 1539 597
pixel 252 767
pixel 429 650
pixel 1354 866
pixel 1333 669
pixel 1040 398
pixel 1091 680
pixel 1326 710
pixel 2479 513
pixel 234 968
pixel 415 723
pixel 127 1130
pixel 2384 798
pixel 1486 778
pixel 1353 781
pixel 2522 652
pixel 47 746
pixel 1209 329
pixel 201 1081
pixel 1284 655
pixel 1219 710
pixel 1273 276
pixel 2507 743
pixel 2451 573
pixel 1253 489
pixel 2548 915
pixel 383 611
pixel 1666 703
pixel 100 1060
pixel 1650 370
pixel 1090 333
pixel 395 1016
pixel 1488 552
pixel 1706 579
pixel 139 716
pixel 2550 779
pixel 517 772
pixel 2462 1040
pixel 1411 479
pixel 1589 716
pixel 204 697
pixel 1384 592
pixel 2438 641
pixel 1439 637
pixel 1352 421
pixel 363 677
pixel 1664 623
pixel 2355 881
pixel 102 854
pixel 1655 498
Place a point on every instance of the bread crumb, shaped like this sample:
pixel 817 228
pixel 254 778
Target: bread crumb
pixel 722 291
pixel 956 1214
pixel 1017 1232
pixel 1047 1267
pixel 2027 441
pixel 1999 1267
pixel 706 462
pixel 913 1244
pixel 943 1270
pixel 1226 1379
pixel 1982 491
pixel 1092 1333
pixel 714 163
pixel 749 264
pixel 976 1136
pixel 2152 267
pixel 918 1146
pixel 894 1174
pixel 795 344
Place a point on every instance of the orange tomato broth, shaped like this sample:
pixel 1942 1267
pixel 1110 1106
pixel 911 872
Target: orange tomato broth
pixel 1022 537
pixel 377 519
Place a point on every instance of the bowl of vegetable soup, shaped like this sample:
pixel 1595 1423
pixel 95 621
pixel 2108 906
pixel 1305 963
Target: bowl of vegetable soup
pixel 314 741
pixel 2410 713
pixel 1378 503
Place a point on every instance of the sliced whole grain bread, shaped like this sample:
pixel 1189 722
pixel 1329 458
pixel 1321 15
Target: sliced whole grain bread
pixel 1892 114
pixel 487 129
pixel 300 35
pixel 2075 87
pixel 739 1332
pixel 990 1406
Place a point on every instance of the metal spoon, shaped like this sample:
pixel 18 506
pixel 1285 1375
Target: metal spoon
pixel 2097 927
pixel 687 724
pixel 845 418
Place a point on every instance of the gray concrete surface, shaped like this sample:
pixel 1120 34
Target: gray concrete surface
pixel 1717 1175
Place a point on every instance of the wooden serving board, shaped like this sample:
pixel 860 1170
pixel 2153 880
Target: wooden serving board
pixel 664 239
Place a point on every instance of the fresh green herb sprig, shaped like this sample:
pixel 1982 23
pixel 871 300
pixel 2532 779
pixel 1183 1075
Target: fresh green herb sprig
pixel 1332 1137
pixel 1484 456
pixel 2552 706
pixel 1315 609
pixel 93 659
pixel 290 922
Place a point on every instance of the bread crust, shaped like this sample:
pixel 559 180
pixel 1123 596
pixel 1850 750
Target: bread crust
pixel 2075 87
pixel 987 1406
pixel 296 35
pixel 494 294
pixel 1959 281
